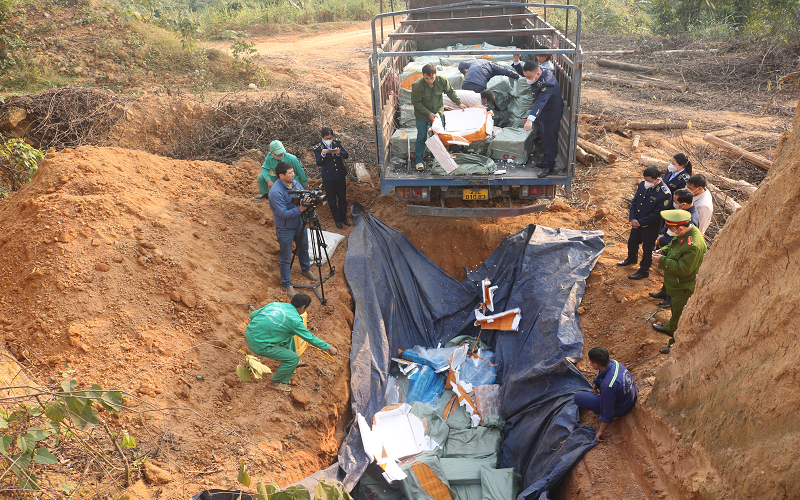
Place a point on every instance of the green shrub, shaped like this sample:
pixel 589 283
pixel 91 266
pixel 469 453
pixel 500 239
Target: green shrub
pixel 18 162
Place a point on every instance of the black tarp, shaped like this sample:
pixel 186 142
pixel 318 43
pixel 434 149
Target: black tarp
pixel 402 299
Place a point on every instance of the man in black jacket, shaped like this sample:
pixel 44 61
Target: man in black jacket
pixel 477 74
pixel 330 156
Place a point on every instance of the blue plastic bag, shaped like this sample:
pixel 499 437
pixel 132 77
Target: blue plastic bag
pixel 438 359
pixel 478 371
pixel 425 386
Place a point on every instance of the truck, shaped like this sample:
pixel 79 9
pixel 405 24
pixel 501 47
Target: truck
pixel 478 29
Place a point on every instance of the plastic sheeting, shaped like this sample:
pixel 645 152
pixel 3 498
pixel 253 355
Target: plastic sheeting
pixel 403 299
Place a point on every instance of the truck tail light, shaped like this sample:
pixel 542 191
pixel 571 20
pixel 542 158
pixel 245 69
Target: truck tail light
pixel 524 190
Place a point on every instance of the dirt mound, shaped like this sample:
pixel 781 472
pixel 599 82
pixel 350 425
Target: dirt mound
pixel 732 388
pixel 130 268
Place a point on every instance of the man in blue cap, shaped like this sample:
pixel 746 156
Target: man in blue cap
pixel 613 393
pixel 268 177
pixel 680 260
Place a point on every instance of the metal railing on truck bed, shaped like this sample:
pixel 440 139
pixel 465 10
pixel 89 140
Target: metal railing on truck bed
pixel 421 32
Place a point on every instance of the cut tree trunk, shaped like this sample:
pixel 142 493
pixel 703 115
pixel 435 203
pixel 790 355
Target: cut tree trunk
pixel 635 145
pixel 617 81
pixel 656 126
pixel 681 51
pixel 584 157
pixel 647 161
pixel 608 52
pixel 662 84
pixel 625 66
pixel 722 199
pixel 727 146
pixel 600 151
pixel 742 186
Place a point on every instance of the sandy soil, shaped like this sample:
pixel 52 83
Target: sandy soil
pixel 95 250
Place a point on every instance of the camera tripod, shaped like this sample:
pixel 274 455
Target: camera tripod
pixel 318 246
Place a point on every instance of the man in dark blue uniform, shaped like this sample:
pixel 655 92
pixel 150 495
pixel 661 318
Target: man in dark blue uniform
pixel 477 74
pixel 547 110
pixel 330 156
pixel 652 197
pixel 614 391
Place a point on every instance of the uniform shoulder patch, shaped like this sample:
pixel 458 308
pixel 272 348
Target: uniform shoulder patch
pixel 666 203
pixel 690 240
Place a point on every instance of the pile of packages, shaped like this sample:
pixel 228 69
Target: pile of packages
pixel 502 139
pixel 440 434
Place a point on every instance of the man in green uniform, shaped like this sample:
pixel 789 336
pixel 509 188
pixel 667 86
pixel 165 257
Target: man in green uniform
pixel 271 334
pixel 267 176
pixel 680 261
pixel 426 96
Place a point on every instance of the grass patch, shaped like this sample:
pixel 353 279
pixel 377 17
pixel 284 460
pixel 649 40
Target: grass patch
pixel 240 15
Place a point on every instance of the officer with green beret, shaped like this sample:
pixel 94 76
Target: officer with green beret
pixel 680 261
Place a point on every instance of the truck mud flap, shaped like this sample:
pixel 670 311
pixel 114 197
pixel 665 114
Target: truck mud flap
pixel 474 212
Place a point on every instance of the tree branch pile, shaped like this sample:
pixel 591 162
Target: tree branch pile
pixel 67 117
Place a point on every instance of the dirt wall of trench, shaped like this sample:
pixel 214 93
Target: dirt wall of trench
pixel 732 386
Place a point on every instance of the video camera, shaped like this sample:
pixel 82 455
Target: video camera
pixel 317 197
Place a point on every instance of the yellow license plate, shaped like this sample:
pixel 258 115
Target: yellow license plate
pixel 476 194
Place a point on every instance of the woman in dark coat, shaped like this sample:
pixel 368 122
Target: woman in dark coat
pixel 330 156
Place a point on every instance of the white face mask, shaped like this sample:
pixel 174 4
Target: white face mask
pixel 530 82
pixel 671 232
pixel 672 168
pixel 648 184
pixel 327 144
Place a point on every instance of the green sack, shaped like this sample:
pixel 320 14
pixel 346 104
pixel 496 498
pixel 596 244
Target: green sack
pixel 407 118
pixel 436 428
pixel 400 142
pixel 512 144
pixel 501 87
pixel 468 164
pixel 411 486
pixel 466 470
pixel 458 418
pixel 476 442
pixel 372 486
pixel 467 491
pixel 500 484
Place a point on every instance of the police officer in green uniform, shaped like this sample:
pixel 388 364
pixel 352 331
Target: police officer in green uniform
pixel 680 261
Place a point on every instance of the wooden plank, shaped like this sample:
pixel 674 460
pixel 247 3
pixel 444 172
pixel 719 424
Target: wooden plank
pixel 477 34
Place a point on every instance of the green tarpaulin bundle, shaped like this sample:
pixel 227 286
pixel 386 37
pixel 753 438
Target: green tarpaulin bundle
pixel 468 164
pixel 475 442
pixel 400 142
pixel 512 144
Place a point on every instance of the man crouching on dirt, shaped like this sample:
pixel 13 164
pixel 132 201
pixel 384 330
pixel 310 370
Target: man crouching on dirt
pixel 614 392
pixel 271 334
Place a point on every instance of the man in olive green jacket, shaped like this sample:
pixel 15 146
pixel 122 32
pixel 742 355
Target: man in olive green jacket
pixel 680 260
pixel 426 96
pixel 271 332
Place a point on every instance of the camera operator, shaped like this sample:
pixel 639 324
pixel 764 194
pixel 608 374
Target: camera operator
pixel 289 225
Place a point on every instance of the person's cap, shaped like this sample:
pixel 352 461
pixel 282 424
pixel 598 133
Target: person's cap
pixel 277 147
pixel 464 66
pixel 676 216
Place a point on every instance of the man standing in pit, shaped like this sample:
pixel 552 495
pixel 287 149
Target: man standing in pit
pixel 289 226
pixel 548 107
pixel 426 96
pixel 477 74
pixel 271 332
pixel 613 393
pixel 268 177
pixel 651 198
pixel 680 260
